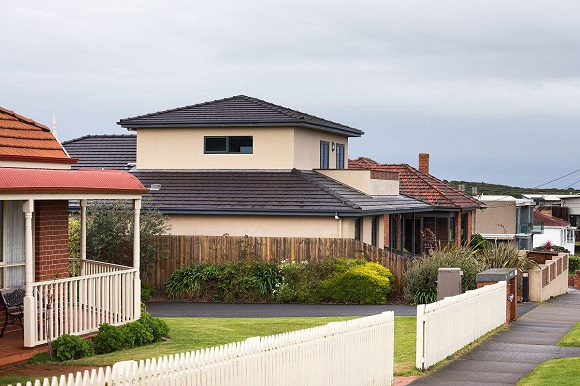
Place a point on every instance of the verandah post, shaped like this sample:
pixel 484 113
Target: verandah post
pixel 30 309
pixel 136 259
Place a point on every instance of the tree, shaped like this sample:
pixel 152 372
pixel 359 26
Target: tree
pixel 110 233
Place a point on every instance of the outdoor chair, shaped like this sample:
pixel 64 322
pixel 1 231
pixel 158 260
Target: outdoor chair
pixel 13 300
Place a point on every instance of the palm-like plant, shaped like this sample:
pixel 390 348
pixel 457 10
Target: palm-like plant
pixel 505 256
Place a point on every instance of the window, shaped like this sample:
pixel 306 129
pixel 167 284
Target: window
pixel 324 151
pixel 12 244
pixel 357 228
pixel 339 156
pixel 570 235
pixel 229 145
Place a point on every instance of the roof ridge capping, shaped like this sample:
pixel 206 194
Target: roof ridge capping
pixel 286 116
pixel 22 118
pixel 98 136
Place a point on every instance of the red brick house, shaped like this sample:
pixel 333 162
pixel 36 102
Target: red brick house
pixel 454 211
pixel 36 183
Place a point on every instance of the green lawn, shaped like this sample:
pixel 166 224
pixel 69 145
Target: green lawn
pixel 564 371
pixel 572 338
pixel 187 334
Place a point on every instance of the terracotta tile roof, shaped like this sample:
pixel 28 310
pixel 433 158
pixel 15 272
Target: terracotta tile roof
pixel 549 221
pixel 22 137
pixel 15 180
pixel 236 111
pixel 421 186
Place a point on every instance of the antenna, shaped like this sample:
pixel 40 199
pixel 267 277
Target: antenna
pixel 53 131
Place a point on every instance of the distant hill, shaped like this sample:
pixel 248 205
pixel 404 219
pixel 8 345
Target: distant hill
pixel 473 188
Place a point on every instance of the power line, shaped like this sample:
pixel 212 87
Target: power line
pixel 559 178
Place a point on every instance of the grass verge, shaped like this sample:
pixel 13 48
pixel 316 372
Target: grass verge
pixel 572 338
pixel 564 371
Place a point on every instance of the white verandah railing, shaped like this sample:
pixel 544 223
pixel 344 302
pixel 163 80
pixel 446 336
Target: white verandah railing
pixel 353 352
pixel 79 305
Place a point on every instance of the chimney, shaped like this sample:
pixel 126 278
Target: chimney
pixel 424 163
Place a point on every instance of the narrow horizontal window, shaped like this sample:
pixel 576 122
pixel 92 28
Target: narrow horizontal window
pixel 229 145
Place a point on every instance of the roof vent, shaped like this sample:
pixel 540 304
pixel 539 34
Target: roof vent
pixel 155 186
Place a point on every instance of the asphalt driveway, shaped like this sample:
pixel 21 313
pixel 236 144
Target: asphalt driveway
pixel 220 310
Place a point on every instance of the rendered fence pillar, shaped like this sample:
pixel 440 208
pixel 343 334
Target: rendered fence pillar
pixel 30 308
pixel 136 259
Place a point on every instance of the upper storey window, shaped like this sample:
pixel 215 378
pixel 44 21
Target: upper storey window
pixel 324 154
pixel 229 145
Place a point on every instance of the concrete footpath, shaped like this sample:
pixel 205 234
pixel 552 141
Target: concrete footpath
pixel 506 357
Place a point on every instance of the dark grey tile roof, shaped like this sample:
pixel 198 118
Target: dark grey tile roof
pixel 103 151
pixel 264 192
pixel 236 191
pixel 236 111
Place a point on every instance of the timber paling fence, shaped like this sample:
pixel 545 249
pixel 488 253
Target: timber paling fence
pixel 174 252
pixel 349 353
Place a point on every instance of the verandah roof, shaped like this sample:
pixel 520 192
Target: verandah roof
pixel 54 181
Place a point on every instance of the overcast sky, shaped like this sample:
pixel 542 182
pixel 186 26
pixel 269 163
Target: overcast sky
pixel 491 89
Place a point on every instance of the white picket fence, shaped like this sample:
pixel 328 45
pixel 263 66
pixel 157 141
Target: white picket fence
pixel 354 352
pixel 448 325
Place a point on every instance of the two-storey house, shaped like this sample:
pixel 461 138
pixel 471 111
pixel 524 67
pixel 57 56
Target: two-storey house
pixel 243 166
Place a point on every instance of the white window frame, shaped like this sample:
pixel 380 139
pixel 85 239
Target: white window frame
pixel 4 265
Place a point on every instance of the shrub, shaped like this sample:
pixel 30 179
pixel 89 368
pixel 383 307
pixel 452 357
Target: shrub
pixel 478 242
pixel 422 278
pixel 573 264
pixel 186 282
pixel 136 334
pixel 365 284
pixel 110 338
pixel 68 347
pixel 156 327
pixel 146 292
pixel 504 256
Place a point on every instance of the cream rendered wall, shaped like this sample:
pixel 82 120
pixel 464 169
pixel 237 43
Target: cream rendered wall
pixel 274 148
pixel 361 180
pixel 183 148
pixel 307 148
pixel 34 165
pixel 367 226
pixel 260 226
pixel 499 212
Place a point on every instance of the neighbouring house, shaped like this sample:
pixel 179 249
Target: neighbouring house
pixel 556 231
pixel 572 203
pixel 508 220
pixel 242 166
pixel 36 184
pixel 452 218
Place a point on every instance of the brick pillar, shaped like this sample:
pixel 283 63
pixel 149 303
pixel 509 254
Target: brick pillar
pixel 424 163
pixel 492 276
pixel 577 279
pixel 51 240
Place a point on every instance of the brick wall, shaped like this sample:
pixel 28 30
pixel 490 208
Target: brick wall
pixel 51 239
pixel 387 230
